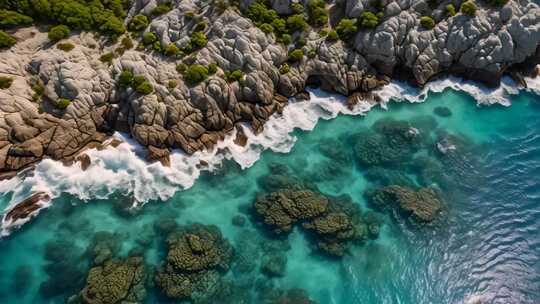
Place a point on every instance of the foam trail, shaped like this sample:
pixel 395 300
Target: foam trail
pixel 122 169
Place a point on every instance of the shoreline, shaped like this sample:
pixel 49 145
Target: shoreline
pixel 144 184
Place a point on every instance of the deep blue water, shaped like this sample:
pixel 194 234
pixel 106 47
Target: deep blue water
pixel 484 248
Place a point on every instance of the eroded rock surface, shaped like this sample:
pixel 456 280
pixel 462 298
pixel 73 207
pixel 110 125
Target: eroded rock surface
pixel 194 117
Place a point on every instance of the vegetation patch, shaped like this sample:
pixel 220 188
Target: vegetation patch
pixel 5 82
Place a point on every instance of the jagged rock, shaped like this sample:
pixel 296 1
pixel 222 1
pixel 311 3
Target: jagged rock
pixel 424 204
pixel 158 154
pixel 27 207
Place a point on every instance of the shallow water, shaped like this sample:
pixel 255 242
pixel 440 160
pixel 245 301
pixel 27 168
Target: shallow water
pixel 484 249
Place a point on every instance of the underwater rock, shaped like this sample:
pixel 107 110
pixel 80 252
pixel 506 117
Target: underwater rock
pixel 384 177
pixel 274 265
pixel 22 279
pixel 104 246
pixel 388 143
pixel 331 223
pixel 281 210
pixel 116 281
pixel 239 221
pixel 442 111
pixel 196 256
pixel 424 204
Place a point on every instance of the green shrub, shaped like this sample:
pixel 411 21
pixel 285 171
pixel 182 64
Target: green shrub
pixel 107 58
pixel 66 47
pixel 62 103
pixel 450 10
pixel 172 84
pixel 346 28
pixel 285 39
pixel 369 20
pixel 125 79
pixel 312 54
pixel 181 68
pixel 267 28
pixel 468 8
pixel 10 19
pixel 258 12
pixel 498 2
pixel 138 80
pixel 284 68
pixel 212 68
pixel 113 27
pixel 138 23
pixel 332 35
pixel 144 87
pixel 296 55
pixel 427 22
pixel 318 16
pixel 296 23
pixel 233 76
pixel 161 9
pixel 38 89
pixel 58 32
pixel 5 82
pixel 149 38
pixel 6 40
pixel 195 74
pixel 297 8
pixel 198 40
pixel 200 26
pixel 279 25
pixel 171 50
pixel 127 43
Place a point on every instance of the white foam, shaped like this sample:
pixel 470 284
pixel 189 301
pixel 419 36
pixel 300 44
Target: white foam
pixel 122 169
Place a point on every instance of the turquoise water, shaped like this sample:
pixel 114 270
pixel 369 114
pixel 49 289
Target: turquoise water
pixel 484 248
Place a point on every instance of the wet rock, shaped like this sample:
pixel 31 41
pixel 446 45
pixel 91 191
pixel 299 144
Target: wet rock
pixel 424 205
pixel 196 256
pixel 116 281
pixel 442 111
pixel 84 160
pixel 241 138
pixel 27 207
pixel 158 154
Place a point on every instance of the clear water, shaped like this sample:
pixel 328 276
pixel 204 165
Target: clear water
pixel 485 249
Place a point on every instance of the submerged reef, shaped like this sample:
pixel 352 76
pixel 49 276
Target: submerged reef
pixel 196 257
pixel 331 224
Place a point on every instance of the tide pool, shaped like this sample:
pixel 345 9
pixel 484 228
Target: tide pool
pixel 484 248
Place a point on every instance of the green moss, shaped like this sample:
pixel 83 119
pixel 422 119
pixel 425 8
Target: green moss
pixel 107 58
pixel 62 103
pixel 332 36
pixel 145 87
pixel 236 75
pixel 427 22
pixel 468 8
pixel 58 32
pixel 138 23
pixel 6 40
pixel 10 19
pixel 172 84
pixel 66 47
pixel 346 28
pixel 369 20
pixel 171 50
pixel 181 68
pixel 138 80
pixel 267 28
pixel 198 40
pixel 285 39
pixel 284 68
pixel 296 55
pixel 200 26
pixel 212 68
pixel 161 9
pixel 450 10
pixel 127 43
pixel 125 79
pixel 195 74
pixel 149 38
pixel 5 82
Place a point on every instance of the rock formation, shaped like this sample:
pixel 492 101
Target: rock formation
pixel 179 114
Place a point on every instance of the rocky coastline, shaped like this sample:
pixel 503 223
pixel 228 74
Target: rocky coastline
pixel 179 114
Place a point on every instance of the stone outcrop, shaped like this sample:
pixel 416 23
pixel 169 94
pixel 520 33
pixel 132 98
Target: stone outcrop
pixel 195 117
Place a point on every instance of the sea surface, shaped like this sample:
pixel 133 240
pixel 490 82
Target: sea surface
pixel 484 247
